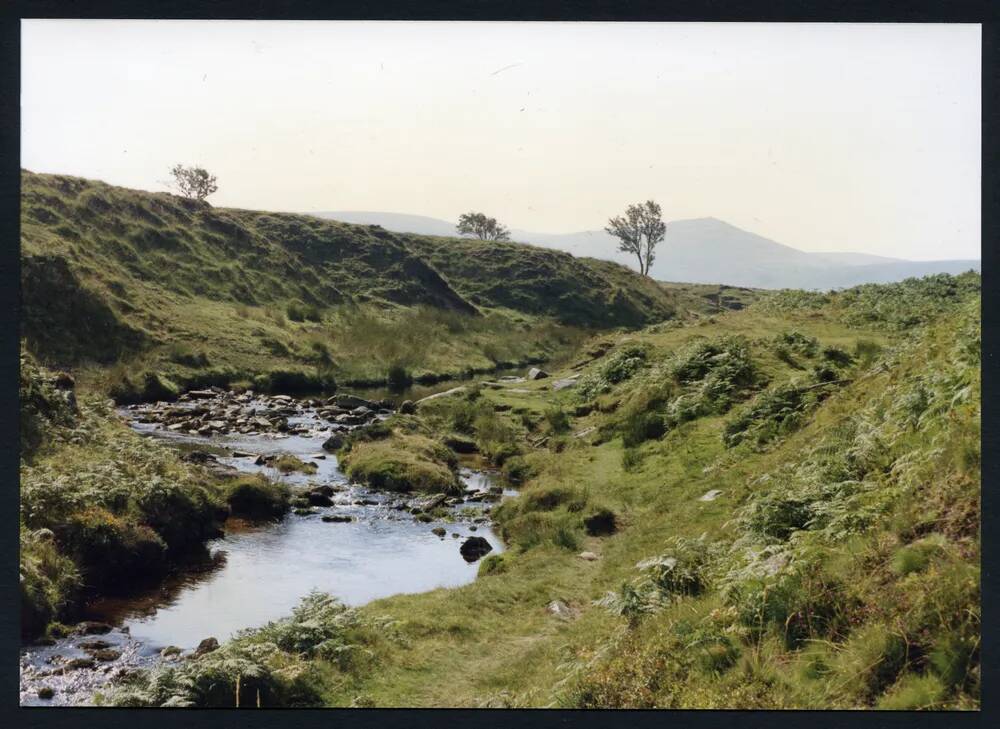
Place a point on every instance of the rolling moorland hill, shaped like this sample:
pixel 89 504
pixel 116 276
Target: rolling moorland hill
pixel 707 251
pixel 204 294
pixel 776 507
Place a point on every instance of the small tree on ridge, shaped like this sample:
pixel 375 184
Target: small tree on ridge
pixel 639 231
pixel 193 182
pixel 482 227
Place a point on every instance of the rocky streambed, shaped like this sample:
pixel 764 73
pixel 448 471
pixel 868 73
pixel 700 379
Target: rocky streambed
pixel 356 544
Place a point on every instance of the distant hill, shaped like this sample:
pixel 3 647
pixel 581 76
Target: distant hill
pixel 707 251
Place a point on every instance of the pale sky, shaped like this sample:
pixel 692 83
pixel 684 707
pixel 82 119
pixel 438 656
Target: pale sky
pixel 823 137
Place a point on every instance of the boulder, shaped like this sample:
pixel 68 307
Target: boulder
pixel 46 692
pixel 318 498
pixel 93 645
pixel 334 443
pixel 64 381
pixel 92 627
pixel 351 402
pixel 439 531
pixel 44 535
pixel 559 609
pixel 337 518
pixel 77 663
pixel 536 374
pixel 408 407
pixel 206 646
pixel 474 548
pixel 107 654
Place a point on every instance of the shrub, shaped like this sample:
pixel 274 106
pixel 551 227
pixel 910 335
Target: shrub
pixel 181 514
pixel 632 459
pixel 680 571
pixel 837 356
pixel 534 528
pixel 494 564
pixel 557 419
pixel 617 367
pixel 287 463
pixel 398 378
pixel 872 658
pixel 916 556
pixel 866 351
pixel 298 311
pixel 516 470
pixel 913 692
pixel 254 497
pixel 600 522
pixel 49 583
pixel 112 551
pixel 796 342
pixel 637 428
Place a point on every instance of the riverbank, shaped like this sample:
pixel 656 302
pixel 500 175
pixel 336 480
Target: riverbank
pixel 345 540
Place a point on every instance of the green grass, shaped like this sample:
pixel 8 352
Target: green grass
pixel 836 567
pixel 838 624
pixel 179 291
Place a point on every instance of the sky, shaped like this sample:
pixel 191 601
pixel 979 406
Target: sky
pixel 824 137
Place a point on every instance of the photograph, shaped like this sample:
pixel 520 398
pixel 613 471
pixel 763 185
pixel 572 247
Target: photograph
pixel 497 364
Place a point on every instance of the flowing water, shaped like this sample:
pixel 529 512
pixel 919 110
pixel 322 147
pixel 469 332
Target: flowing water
pixel 258 573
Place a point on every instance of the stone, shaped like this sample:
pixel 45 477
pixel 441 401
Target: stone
pixel 170 650
pixel 64 381
pixel 200 394
pixel 206 646
pixel 439 531
pixel 474 548
pixel 589 556
pixel 565 382
pixel 318 456
pixel 93 645
pixel 244 454
pixel 408 407
pixel 303 511
pixel 318 498
pixel 710 495
pixel 337 518
pixel 559 609
pixel 536 374
pixel 92 627
pixel 107 654
pixel 351 402
pixel 46 692
pixel 78 663
pixel 325 489
pixel 44 535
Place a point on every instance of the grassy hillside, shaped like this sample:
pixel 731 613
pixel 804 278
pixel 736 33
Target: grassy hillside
pixel 184 292
pixel 769 508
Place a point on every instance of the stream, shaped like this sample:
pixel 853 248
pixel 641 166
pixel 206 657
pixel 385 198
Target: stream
pixel 257 573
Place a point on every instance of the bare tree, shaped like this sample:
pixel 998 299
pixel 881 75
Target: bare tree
pixel 639 231
pixel 193 182
pixel 482 227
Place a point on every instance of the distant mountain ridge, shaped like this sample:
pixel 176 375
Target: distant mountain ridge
pixel 704 251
